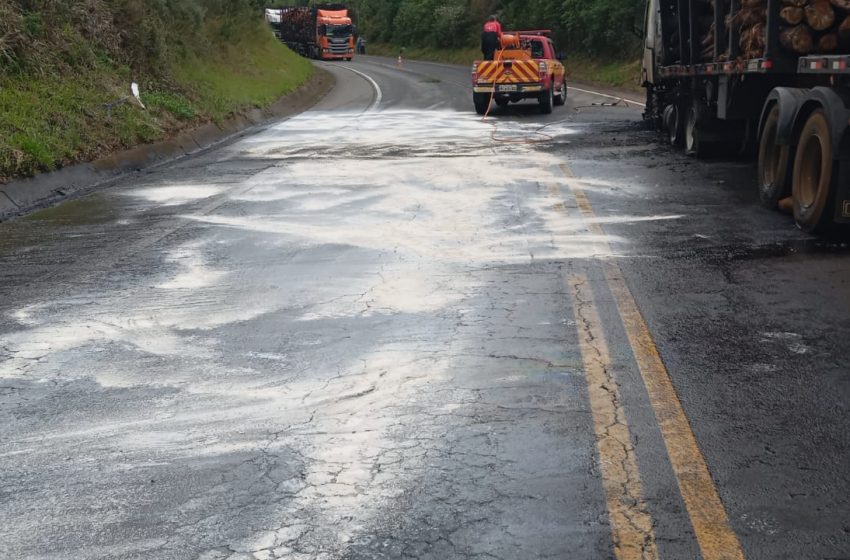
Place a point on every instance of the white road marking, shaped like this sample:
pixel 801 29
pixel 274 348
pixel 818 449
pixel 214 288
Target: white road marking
pixel 442 79
pixel 568 86
pixel 606 95
pixel 379 95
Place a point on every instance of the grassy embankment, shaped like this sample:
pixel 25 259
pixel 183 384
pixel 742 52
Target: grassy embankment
pixel 193 66
pixel 616 74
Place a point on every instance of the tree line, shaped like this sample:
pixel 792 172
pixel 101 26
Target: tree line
pixel 604 28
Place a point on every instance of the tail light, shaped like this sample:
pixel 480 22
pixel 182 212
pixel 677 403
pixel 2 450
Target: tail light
pixel 474 73
pixel 542 71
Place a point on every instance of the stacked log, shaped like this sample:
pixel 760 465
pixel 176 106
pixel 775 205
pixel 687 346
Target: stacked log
pixel 797 39
pixel 705 25
pixel 297 24
pixel 806 27
pixel 819 15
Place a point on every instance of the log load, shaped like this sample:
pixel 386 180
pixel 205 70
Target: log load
pixel 819 15
pixel 797 39
pixel 792 15
pixel 752 41
pixel 806 27
pixel 827 43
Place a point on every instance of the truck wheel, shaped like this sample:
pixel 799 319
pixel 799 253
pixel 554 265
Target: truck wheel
pixel 481 101
pixel 774 174
pixel 675 124
pixel 695 119
pixel 547 100
pixel 561 97
pixel 692 140
pixel 814 175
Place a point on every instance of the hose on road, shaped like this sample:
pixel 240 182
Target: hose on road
pixel 538 136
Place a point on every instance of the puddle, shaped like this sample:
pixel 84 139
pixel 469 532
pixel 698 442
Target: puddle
pixel 93 209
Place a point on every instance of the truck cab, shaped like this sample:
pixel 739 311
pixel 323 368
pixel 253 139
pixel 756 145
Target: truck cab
pixel 526 66
pixel 334 35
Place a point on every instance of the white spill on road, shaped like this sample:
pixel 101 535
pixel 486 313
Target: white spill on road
pixel 176 194
pixel 340 225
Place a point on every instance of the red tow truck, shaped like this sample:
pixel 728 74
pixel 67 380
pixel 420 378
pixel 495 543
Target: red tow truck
pixel 526 66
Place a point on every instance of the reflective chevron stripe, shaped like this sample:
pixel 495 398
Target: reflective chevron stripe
pixel 508 72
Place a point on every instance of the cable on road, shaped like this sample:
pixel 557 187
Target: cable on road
pixel 541 137
pixel 512 140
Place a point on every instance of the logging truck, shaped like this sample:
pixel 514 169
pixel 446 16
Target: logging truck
pixel 323 31
pixel 526 66
pixel 765 76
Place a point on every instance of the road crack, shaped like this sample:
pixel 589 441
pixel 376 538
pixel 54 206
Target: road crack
pixel 632 527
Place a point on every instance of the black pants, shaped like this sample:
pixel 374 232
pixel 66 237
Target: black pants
pixel 489 44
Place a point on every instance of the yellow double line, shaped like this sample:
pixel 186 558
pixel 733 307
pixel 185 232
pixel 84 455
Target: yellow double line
pixel 631 524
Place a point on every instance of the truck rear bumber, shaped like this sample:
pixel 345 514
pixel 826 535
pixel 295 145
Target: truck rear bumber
pixel 508 76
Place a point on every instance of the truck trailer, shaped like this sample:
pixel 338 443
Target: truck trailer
pixel 322 32
pixel 765 75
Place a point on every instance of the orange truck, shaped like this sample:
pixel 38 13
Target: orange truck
pixel 323 31
pixel 526 66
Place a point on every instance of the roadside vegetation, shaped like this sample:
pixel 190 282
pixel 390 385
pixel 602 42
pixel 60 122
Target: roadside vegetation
pixel 62 63
pixel 601 38
pixel 608 72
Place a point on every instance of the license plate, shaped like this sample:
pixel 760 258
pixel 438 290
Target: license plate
pixel 506 88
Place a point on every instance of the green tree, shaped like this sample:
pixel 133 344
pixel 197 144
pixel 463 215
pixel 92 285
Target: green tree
pixel 593 27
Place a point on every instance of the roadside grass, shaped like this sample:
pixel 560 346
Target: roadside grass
pixel 449 56
pixel 252 72
pixel 621 74
pixel 617 74
pixel 54 118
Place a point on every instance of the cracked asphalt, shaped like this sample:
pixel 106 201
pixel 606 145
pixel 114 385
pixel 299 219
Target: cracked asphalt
pixel 385 329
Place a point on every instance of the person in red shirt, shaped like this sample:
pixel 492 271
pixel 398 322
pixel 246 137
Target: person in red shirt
pixel 490 37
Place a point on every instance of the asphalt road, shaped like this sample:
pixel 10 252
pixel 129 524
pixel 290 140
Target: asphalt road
pixel 387 329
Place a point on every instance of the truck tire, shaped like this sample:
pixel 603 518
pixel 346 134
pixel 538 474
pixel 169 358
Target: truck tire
pixel 774 169
pixel 547 99
pixel 674 123
pixel 561 96
pixel 694 145
pixel 815 175
pixel 482 102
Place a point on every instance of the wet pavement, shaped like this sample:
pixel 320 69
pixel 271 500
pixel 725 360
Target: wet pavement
pixel 387 329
